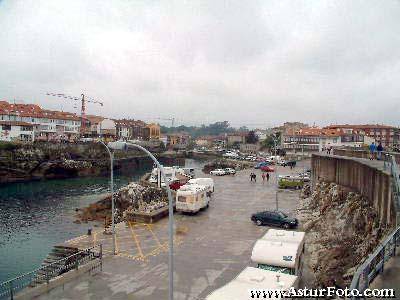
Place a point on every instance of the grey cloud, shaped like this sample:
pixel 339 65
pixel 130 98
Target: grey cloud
pixel 258 62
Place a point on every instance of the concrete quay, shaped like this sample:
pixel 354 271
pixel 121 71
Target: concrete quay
pixel 211 248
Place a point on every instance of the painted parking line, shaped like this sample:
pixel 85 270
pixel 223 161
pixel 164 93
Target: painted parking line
pixel 136 240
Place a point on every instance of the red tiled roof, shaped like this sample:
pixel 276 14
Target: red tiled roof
pixel 362 126
pixel 35 111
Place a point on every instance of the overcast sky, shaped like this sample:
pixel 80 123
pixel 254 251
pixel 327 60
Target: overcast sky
pixel 255 63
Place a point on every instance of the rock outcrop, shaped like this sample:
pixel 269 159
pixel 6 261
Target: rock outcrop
pixel 342 228
pixel 134 197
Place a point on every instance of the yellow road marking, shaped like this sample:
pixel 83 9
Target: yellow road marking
pixel 136 241
pixel 154 236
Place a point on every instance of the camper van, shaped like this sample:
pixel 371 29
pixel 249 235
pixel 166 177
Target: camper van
pixel 253 279
pixel 208 182
pixel 173 174
pixel 280 252
pixel 191 198
pixel 189 172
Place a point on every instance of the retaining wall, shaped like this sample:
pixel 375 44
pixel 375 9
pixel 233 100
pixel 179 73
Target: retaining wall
pixel 362 176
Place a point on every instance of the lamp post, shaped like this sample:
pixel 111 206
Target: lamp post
pixel 120 145
pixel 111 153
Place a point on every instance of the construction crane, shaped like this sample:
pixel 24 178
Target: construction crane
pixel 167 119
pixel 83 100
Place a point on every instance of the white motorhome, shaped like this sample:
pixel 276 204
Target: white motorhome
pixel 253 279
pixel 191 198
pixel 208 182
pixel 287 236
pixel 171 174
pixel 278 256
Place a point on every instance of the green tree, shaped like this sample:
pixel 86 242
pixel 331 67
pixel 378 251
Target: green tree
pixel 251 137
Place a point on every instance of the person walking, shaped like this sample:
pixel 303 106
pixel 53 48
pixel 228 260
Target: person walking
pixel 372 149
pixel 263 177
pixel 255 177
pixel 267 176
pixel 379 149
pixel 251 176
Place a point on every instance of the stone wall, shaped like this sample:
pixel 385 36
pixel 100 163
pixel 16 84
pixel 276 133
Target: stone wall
pixel 362 176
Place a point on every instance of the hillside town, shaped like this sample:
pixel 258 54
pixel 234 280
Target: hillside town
pixel 32 123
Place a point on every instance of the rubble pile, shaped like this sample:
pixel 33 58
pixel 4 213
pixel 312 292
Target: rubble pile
pixel 342 228
pixel 132 198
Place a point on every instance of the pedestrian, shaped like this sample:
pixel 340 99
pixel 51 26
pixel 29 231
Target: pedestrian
pixel 255 177
pixel 380 150
pixel 372 149
pixel 251 176
pixel 267 176
pixel 328 149
pixel 263 177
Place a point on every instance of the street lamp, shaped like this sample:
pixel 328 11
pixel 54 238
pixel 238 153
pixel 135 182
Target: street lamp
pixel 111 153
pixel 120 145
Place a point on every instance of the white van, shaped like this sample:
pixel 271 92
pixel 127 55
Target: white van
pixel 191 198
pixel 278 256
pixel 253 279
pixel 208 182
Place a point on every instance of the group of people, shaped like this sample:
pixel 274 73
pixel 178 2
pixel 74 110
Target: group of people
pixel 328 149
pixel 253 177
pixel 378 149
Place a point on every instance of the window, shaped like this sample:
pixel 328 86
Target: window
pixel 6 127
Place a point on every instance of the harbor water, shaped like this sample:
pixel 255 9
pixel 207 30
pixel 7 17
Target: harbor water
pixel 35 216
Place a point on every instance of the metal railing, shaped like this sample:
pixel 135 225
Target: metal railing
pixel 374 264
pixel 45 273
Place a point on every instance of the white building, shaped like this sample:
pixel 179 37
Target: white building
pixel 47 124
pixel 16 131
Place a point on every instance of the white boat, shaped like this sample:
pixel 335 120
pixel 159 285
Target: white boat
pixel 253 279
pixel 191 198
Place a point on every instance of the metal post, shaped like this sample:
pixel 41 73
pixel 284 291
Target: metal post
pixel 111 154
pixel 11 290
pixel 170 221
pixel 112 202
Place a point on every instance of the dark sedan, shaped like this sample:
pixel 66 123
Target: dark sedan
pixel 274 218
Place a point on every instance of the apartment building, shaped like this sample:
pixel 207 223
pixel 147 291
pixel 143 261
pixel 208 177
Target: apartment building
pixel 16 131
pixel 314 139
pixel 131 129
pixel 47 125
pixel 389 136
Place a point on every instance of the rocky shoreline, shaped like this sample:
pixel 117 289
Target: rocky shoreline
pixel 140 197
pixel 41 161
pixel 341 228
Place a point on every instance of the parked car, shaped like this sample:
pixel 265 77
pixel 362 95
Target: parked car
pixel 290 182
pixel 230 171
pixel 261 164
pixel 218 172
pixel 289 163
pixel 274 218
pixel 267 169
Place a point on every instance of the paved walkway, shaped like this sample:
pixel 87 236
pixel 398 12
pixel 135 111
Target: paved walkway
pixel 212 247
pixel 390 278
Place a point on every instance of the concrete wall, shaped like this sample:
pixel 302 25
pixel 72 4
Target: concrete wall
pixel 361 176
pixel 362 153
